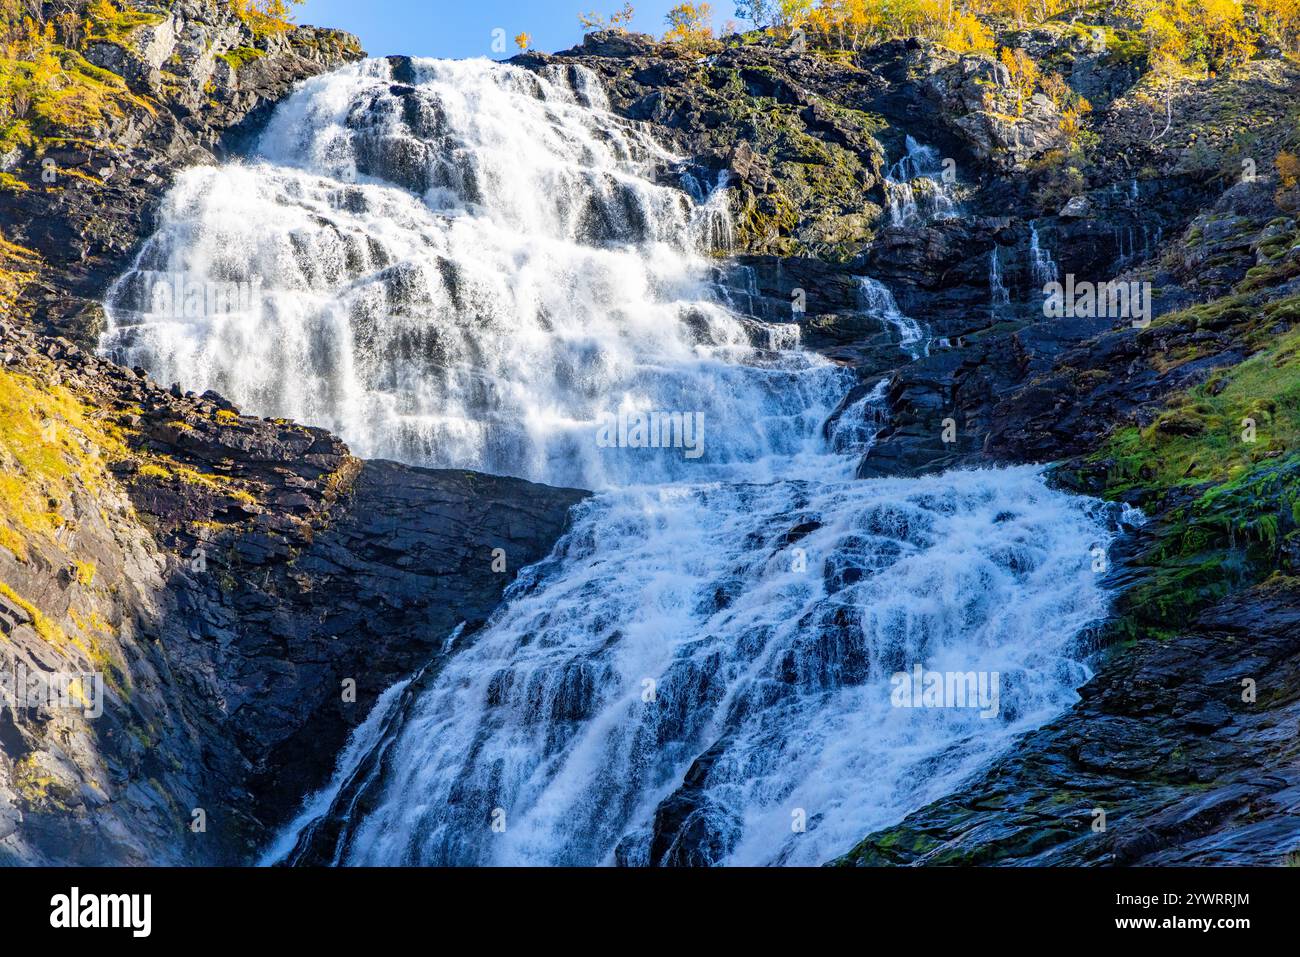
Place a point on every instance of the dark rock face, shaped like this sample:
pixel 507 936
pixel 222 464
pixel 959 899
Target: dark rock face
pixel 253 590
pixel 976 104
pixel 1116 373
pixel 408 556
pixel 616 43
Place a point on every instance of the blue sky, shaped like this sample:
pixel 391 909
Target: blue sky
pixel 463 28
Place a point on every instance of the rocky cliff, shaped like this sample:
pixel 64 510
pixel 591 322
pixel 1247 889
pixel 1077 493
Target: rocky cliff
pixel 230 575
pixel 187 82
pixel 245 587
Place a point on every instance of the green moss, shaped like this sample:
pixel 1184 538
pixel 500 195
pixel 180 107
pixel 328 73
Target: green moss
pixel 115 26
pixel 768 223
pixel 85 573
pixel 65 92
pixel 240 55
pixel 18 267
pixel 1218 431
pixel 152 470
pixel 894 846
pixel 164 469
pixel 1220 464
pixel 1122 46
pixel 1278 267
pixel 32 782
pixel 823 159
pixel 1222 537
pixel 92 632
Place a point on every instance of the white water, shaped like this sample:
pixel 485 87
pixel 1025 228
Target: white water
pixel 854 430
pixel 879 302
pixel 469 273
pixel 1129 249
pixel 1042 266
pixel 923 164
pixel 528 280
pixel 999 297
pixel 781 661
pixel 365 737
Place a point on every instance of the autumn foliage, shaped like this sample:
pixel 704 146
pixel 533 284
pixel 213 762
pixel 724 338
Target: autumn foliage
pixel 690 24
pixel 1213 34
pixel 47 85
pixel 618 20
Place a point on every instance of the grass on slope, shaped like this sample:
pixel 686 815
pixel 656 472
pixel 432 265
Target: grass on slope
pixel 1219 431
pixel 49 445
pixel 1235 502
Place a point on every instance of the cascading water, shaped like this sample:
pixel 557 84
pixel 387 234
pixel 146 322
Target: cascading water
pixel 473 267
pixel 854 427
pixel 1042 267
pixel 999 296
pixel 1129 249
pixel 936 201
pixel 751 630
pixel 879 302
pixel 902 202
pixel 476 269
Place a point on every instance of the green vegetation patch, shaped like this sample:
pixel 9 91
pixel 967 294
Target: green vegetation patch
pixel 49 446
pixel 52 90
pixel 1220 430
pixel 1223 462
pixel 107 23
pixel 240 55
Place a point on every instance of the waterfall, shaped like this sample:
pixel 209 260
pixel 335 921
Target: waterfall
pixel 751 631
pixel 1127 248
pixel 367 736
pixel 484 268
pixel 855 427
pixel 712 226
pixel 476 269
pixel 902 203
pixel 741 282
pixel 879 302
pixel 919 163
pixel 1042 267
pixel 999 298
